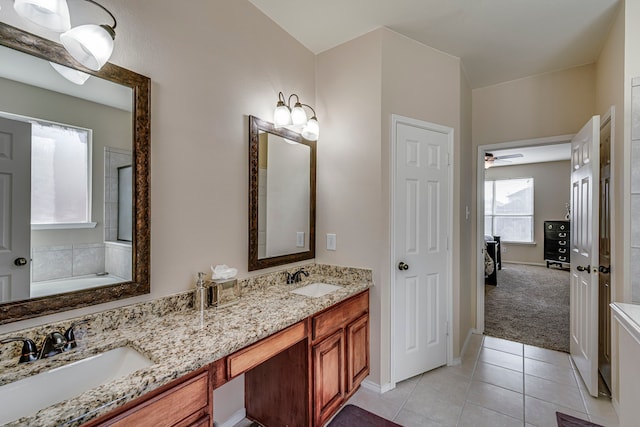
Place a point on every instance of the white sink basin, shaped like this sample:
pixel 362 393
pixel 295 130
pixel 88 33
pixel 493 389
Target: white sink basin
pixel 29 395
pixel 316 290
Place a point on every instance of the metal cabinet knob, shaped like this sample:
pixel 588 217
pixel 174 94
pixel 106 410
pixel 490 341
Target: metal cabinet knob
pixel 581 268
pixel 603 269
pixel 402 266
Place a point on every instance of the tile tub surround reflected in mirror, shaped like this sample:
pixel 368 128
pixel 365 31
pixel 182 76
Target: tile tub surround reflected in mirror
pixel 173 335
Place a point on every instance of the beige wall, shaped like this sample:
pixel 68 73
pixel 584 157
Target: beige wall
pixel 549 104
pixel 610 92
pixel 550 196
pixel 211 65
pixel 348 81
pixel 368 79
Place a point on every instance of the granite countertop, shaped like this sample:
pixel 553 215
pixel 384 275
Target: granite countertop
pixel 629 316
pixel 178 343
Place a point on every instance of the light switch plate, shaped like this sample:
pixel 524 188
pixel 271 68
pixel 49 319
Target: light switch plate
pixel 331 242
pixel 300 239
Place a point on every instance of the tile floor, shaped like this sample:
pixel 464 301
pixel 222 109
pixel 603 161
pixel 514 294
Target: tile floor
pixel 499 383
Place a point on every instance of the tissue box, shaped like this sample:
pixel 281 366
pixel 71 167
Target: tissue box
pixel 223 292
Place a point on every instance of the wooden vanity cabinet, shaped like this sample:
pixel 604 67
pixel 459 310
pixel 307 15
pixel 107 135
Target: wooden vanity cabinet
pixel 186 402
pixel 340 353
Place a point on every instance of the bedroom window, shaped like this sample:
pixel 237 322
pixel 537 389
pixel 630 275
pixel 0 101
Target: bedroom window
pixel 508 209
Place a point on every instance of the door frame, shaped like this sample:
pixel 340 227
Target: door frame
pixel 552 140
pixel 395 120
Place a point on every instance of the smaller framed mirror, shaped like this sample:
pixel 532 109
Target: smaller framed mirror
pixel 282 196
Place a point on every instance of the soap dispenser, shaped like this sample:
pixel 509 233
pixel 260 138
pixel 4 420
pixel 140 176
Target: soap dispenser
pixel 200 297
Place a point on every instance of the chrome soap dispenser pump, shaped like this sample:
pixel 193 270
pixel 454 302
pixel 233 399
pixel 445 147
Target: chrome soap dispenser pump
pixel 200 297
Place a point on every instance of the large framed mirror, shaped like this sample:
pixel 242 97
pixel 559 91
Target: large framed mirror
pixel 74 180
pixel 282 196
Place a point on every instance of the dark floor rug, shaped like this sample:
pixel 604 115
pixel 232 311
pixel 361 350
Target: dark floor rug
pixel 565 420
pixel 354 416
pixel 530 305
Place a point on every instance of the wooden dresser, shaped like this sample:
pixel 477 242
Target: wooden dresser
pixel 557 240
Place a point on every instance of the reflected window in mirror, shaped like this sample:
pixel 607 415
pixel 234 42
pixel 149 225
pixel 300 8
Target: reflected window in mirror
pixel 282 196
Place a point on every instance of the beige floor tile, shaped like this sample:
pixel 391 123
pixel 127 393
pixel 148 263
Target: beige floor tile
pixel 374 402
pixel 543 414
pixel 436 406
pixel 244 423
pixel 402 391
pixel 605 421
pixel 561 394
pixel 496 398
pixel 496 375
pixel 408 418
pixel 477 416
pixel 500 358
pixel 503 345
pixel 557 358
pixel 600 407
pixel 550 372
pixel 444 383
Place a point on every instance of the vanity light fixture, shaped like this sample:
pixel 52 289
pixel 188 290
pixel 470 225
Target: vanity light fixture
pixel 296 118
pixel 51 14
pixel 90 44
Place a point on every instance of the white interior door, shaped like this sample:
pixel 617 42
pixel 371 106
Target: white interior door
pixel 585 164
pixel 422 221
pixel 15 209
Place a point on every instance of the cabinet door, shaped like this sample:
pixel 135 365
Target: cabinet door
pixel 328 376
pixel 357 352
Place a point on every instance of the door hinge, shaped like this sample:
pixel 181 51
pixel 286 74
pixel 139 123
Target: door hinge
pixel 448 159
pixel 447 330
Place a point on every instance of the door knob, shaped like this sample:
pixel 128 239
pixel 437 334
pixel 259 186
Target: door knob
pixel 581 268
pixel 20 261
pixel 403 266
pixel 604 270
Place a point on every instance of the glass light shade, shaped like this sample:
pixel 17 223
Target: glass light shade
pixel 74 76
pixel 91 45
pixel 311 131
pixel 282 115
pixel 51 14
pixel 298 116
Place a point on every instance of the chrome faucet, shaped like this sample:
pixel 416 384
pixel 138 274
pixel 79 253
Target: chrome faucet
pixel 54 343
pixel 296 277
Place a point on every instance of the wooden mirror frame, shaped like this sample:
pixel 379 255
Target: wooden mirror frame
pixel 13 311
pixel 255 126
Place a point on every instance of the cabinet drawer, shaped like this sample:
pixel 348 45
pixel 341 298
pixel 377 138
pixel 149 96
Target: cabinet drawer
pixel 556 226
pixel 250 357
pixel 336 318
pixel 557 235
pixel 181 405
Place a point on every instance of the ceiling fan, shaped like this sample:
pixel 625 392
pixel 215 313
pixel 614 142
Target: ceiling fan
pixel 489 158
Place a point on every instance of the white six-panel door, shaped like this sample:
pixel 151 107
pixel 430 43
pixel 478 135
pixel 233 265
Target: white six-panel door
pixel 585 170
pixel 422 221
pixel 15 209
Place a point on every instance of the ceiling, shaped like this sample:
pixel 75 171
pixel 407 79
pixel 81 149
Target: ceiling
pixel 497 40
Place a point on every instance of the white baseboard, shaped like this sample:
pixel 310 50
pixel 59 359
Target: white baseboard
pixel 525 263
pixel 238 416
pixel 370 385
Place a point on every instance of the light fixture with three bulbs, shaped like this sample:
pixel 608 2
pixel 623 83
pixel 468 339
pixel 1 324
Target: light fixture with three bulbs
pixel 90 44
pixel 296 118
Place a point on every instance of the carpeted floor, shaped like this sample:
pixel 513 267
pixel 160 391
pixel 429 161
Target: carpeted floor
pixel 529 305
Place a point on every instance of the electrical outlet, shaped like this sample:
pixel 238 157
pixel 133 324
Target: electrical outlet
pixel 300 239
pixel 331 242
